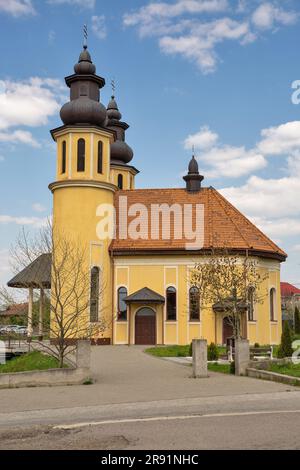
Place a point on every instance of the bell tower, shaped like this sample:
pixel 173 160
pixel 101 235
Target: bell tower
pixel 83 176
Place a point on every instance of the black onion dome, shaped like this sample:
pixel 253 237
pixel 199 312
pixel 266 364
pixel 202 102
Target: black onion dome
pixel 85 65
pixel 83 111
pixel 121 152
pixel 84 106
pixel 113 110
pixel 193 166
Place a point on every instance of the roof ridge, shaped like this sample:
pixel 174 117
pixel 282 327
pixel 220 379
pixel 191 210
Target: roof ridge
pixel 265 237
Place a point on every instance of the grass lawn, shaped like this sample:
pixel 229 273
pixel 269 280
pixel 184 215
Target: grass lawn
pixel 215 367
pixel 169 351
pixel 286 369
pixel 30 361
pixel 175 351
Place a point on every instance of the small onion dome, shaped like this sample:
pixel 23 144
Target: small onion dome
pixel 113 110
pixel 83 110
pixel 85 65
pixel 193 166
pixel 193 179
pixel 120 151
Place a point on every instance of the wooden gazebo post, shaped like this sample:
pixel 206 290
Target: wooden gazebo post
pixel 41 314
pixel 30 309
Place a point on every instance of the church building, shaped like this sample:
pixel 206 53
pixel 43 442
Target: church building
pixel 147 292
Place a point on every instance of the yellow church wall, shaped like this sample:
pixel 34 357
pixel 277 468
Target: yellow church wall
pixel 91 155
pixel 158 273
pixel 128 177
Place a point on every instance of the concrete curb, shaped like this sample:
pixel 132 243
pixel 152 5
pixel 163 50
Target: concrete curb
pixel 273 376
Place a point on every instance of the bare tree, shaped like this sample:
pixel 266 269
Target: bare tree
pixel 229 281
pixel 71 292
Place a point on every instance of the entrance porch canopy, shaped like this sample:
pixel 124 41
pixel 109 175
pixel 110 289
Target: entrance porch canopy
pixel 145 296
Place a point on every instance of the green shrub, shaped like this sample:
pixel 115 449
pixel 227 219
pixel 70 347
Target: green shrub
pixel 191 349
pixel 232 367
pixel 256 345
pixel 212 352
pixel 285 348
pixel 297 321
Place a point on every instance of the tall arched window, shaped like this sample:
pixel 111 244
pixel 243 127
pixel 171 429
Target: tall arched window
pixel 251 292
pixel 100 157
pixel 273 304
pixel 81 155
pixel 122 307
pixel 171 303
pixel 194 303
pixel 63 157
pixel 120 181
pixel 94 295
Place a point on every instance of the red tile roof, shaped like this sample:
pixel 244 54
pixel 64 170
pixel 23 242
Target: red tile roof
pixel 287 290
pixel 224 226
pixel 15 310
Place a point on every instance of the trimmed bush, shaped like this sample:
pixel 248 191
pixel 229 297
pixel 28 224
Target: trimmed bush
pixel 191 349
pixel 212 352
pixel 285 348
pixel 232 368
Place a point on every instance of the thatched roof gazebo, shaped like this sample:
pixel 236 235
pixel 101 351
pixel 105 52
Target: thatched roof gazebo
pixel 37 275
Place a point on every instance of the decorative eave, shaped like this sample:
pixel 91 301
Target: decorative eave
pixel 205 252
pixel 58 131
pixel 92 78
pixel 116 123
pixel 81 183
pixel 119 166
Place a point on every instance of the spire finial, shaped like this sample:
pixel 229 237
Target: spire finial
pixel 85 36
pixel 113 87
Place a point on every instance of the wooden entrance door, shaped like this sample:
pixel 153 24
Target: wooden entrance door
pixel 145 327
pixel 227 330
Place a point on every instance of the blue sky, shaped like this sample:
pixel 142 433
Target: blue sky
pixel 216 74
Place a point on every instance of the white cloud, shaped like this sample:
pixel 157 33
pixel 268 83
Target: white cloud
pixel 203 139
pixel 34 221
pixel 181 29
pixel 296 248
pixel 161 10
pixel 223 160
pixel 2 158
pixel 80 3
pixel 232 162
pixel 280 140
pixel 37 207
pixel 285 227
pixel 268 15
pixel 99 26
pixel 28 103
pixel 19 137
pixel 17 7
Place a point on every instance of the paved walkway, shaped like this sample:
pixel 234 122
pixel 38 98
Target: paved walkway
pixel 126 375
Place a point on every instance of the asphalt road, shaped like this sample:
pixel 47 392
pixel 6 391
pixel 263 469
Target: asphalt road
pixel 253 421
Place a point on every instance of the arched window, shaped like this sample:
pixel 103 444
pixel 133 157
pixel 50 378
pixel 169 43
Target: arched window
pixel 81 155
pixel 94 295
pixel 63 157
pixel 120 181
pixel 273 304
pixel 122 307
pixel 251 292
pixel 171 303
pixel 194 303
pixel 100 157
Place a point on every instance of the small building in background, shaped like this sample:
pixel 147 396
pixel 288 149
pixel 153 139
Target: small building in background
pixel 290 299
